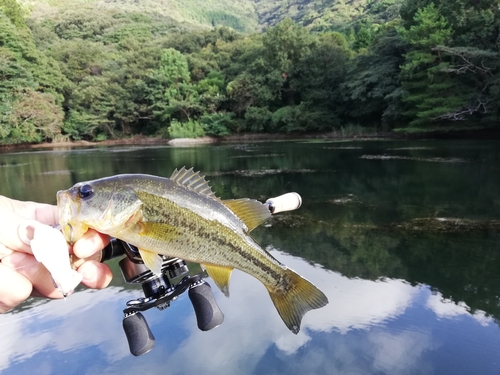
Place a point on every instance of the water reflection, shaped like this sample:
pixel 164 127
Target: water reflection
pixel 404 299
pixel 368 325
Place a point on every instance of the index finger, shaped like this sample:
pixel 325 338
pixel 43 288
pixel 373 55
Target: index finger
pixel 10 223
pixel 91 242
pixel 14 215
pixel 42 212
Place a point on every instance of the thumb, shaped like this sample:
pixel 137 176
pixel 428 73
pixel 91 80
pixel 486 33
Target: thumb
pixel 14 288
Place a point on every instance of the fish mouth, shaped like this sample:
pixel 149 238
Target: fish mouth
pixel 68 211
pixel 67 231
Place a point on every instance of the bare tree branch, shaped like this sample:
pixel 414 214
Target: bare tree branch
pixel 480 106
pixel 466 56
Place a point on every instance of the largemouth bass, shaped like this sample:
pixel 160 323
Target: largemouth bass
pixel 181 217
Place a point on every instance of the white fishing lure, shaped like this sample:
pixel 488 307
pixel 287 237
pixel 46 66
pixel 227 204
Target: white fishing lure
pixel 51 249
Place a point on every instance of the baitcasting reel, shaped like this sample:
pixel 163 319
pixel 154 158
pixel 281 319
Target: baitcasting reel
pixel 160 290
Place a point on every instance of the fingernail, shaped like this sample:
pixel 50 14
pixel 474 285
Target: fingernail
pixel 26 231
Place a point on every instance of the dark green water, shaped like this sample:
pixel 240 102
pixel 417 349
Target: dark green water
pixel 403 238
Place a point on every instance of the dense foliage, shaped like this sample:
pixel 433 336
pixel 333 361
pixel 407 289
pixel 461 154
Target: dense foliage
pixel 97 72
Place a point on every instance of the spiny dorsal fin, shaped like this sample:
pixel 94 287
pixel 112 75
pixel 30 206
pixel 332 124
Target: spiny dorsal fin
pixel 251 212
pixel 193 181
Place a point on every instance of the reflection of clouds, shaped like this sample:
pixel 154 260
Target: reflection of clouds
pixel 400 352
pixel 252 320
pixel 366 328
pixel 251 325
pixel 447 309
pixel 354 303
pixel 64 326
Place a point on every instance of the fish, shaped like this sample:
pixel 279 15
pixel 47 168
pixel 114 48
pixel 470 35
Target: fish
pixel 181 217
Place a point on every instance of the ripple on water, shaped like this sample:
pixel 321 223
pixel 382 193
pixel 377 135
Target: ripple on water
pixel 398 157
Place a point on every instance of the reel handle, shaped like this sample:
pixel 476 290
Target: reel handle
pixel 208 313
pixel 285 202
pixel 139 336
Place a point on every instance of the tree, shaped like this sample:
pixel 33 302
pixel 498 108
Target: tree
pixel 430 91
pixel 83 23
pixel 319 76
pixel 30 88
pixel 285 44
pixel 14 13
pixel 171 91
pixel 477 69
pixel 253 85
pixel 35 118
pixel 473 23
pixel 79 58
pixel 372 85
pixel 267 72
pixel 92 109
pixel 363 38
pixel 469 58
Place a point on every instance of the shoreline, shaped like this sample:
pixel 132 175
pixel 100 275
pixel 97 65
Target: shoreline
pixel 253 137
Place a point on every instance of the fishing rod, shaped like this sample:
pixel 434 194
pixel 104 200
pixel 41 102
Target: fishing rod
pixel 174 279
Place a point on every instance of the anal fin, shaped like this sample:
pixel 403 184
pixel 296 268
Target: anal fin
pixel 152 260
pixel 220 275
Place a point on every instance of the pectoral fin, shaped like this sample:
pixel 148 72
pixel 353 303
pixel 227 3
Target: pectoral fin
pixel 152 260
pixel 220 275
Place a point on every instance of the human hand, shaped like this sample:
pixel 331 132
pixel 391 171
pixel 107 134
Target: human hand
pixel 21 275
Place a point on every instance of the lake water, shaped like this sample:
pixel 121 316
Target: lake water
pixel 403 238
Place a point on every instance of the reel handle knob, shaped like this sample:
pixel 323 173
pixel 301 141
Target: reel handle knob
pixel 139 336
pixel 208 313
pixel 285 202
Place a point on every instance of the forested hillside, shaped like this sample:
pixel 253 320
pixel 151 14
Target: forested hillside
pixel 108 69
pixel 322 15
pixel 241 15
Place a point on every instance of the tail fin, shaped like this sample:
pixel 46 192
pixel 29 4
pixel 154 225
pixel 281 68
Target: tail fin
pixel 295 299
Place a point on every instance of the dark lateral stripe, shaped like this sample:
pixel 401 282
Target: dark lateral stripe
pixel 213 232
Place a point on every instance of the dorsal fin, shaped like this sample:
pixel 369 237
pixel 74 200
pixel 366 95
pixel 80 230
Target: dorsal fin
pixel 193 181
pixel 251 212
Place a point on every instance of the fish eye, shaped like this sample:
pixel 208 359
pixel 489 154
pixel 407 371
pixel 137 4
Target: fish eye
pixel 85 191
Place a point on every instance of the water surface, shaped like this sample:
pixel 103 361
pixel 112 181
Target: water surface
pixel 403 238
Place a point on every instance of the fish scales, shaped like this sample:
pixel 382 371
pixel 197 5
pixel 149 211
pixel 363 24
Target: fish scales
pixel 197 234
pixel 181 217
pixel 205 207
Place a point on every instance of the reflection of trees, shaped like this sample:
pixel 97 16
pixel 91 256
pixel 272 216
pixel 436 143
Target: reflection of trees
pixel 33 176
pixel 358 238
pixel 354 252
pixel 357 214
pixel 462 267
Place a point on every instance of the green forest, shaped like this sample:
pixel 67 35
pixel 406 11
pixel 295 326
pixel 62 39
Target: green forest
pixel 97 70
